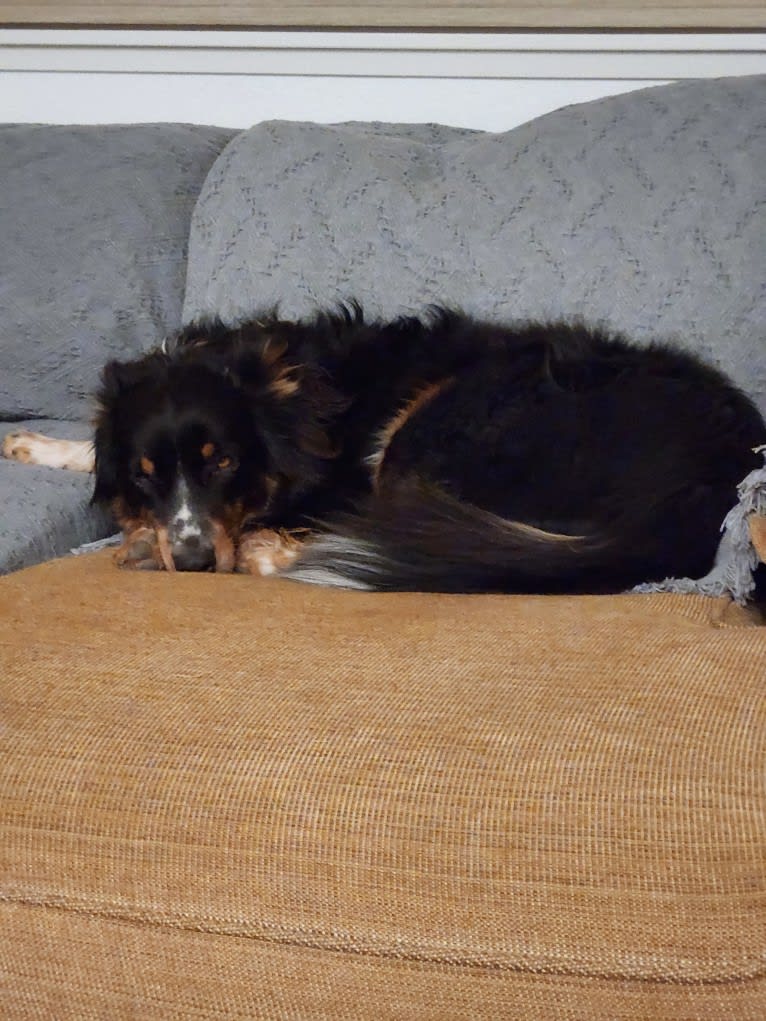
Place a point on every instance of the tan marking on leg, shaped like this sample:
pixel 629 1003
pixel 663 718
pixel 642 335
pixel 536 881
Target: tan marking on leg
pixel 223 545
pixel 163 543
pixel 268 551
pixel 35 448
pixel 419 400
pixel 226 532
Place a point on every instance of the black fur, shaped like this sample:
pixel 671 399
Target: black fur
pixel 546 458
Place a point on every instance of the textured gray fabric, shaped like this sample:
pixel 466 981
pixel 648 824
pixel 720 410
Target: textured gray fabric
pixel 46 511
pixel 94 224
pixel 644 212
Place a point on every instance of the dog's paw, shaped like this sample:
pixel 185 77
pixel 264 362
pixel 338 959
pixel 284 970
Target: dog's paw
pixel 267 552
pixel 140 551
pixel 34 448
pixel 22 445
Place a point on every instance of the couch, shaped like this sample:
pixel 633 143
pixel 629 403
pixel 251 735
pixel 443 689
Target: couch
pixel 231 797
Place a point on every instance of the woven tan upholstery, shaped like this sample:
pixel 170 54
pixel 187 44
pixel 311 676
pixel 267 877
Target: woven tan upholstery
pixel 240 798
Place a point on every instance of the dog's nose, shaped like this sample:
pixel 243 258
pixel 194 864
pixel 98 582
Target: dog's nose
pixel 193 554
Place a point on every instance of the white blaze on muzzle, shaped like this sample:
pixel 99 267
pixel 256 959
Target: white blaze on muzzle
pixel 190 533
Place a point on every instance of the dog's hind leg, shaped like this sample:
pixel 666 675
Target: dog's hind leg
pixel 34 448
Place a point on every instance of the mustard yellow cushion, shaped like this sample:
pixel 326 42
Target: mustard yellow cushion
pixel 232 797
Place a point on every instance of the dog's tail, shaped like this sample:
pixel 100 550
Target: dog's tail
pixel 419 538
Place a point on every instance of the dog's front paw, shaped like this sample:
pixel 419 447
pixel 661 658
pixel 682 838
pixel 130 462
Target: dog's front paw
pixel 140 551
pixel 20 446
pixel 267 551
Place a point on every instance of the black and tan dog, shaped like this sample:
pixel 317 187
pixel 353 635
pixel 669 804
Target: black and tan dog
pixel 442 454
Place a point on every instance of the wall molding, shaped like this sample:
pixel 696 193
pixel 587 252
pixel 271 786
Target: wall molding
pixel 417 55
pixel 491 81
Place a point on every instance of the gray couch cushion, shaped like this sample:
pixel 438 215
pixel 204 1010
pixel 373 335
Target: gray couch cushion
pixel 46 511
pixel 94 224
pixel 645 212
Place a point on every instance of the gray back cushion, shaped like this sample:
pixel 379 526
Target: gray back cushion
pixel 94 224
pixel 644 212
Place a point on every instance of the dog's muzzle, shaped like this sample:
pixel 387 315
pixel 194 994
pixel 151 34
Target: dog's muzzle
pixel 190 537
pixel 193 553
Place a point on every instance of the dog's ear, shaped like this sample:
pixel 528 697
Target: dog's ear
pixel 119 377
pixel 117 380
pixel 290 386
pixel 114 381
pixel 105 487
pixel 293 399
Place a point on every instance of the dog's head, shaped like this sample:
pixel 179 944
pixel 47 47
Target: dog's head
pixel 209 439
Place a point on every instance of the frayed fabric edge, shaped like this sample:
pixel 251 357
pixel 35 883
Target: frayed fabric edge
pixel 98 544
pixel 736 558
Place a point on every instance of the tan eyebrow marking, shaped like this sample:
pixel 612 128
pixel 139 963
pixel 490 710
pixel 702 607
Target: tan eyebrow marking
pixel 208 449
pixel 147 465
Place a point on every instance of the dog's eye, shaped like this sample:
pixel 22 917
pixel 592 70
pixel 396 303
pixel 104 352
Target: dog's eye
pixel 215 460
pixel 223 461
pixel 145 473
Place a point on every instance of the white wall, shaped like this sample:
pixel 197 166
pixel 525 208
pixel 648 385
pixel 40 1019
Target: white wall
pixel 238 78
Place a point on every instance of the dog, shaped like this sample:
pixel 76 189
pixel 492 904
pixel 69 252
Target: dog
pixel 439 453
